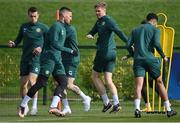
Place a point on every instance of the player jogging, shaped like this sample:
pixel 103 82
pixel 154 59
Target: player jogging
pixel 51 63
pixel 105 57
pixel 33 35
pixel 145 38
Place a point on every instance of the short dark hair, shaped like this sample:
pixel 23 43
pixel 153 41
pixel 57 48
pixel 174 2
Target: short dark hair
pixel 100 4
pixel 32 9
pixel 151 16
pixel 62 9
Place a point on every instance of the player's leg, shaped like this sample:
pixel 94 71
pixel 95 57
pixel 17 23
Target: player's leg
pixel 144 92
pixel 77 90
pixel 164 96
pixel 24 89
pixel 59 91
pixel 71 70
pixel 24 85
pixel 101 90
pixel 24 79
pixel 138 87
pixel 66 107
pixel 109 65
pixel 34 71
pixel 139 73
pixel 155 73
pixel 113 90
pixel 60 77
pixel 41 82
pixel 46 69
pixel 99 84
pixel 32 81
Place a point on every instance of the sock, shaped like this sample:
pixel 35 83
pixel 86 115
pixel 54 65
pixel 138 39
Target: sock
pixel 34 105
pixel 65 102
pixel 167 105
pixel 115 99
pixel 55 101
pixel 83 96
pixel 137 103
pixel 25 101
pixel 105 99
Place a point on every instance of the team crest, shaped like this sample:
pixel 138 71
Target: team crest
pixel 103 23
pixel 36 69
pixel 70 73
pixel 47 72
pixel 62 32
pixel 38 30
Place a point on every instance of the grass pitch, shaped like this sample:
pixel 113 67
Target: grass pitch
pixel 8 114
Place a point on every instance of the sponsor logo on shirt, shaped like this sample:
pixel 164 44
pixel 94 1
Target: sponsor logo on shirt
pixel 38 30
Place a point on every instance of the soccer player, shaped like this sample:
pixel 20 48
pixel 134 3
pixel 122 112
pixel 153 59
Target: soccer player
pixel 145 38
pixel 105 58
pixel 150 79
pixel 71 63
pixel 51 63
pixel 33 34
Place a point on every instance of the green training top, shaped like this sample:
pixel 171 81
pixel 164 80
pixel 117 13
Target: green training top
pixel 145 38
pixel 71 42
pixel 105 27
pixel 33 35
pixel 55 40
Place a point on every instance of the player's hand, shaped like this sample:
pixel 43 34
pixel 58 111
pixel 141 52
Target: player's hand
pixel 124 58
pixel 11 43
pixel 89 36
pixel 165 59
pixel 74 52
pixel 37 50
pixel 132 47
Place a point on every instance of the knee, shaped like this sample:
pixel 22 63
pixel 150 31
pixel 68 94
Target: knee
pixel 94 76
pixel 159 80
pixel 108 81
pixel 70 86
pixel 62 80
pixel 41 81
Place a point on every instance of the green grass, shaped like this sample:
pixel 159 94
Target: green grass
pixel 8 114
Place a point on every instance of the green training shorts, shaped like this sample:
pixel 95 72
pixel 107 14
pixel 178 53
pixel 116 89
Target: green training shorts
pixel 152 66
pixel 104 61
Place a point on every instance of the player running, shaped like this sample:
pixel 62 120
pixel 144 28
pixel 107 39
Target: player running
pixel 71 63
pixel 145 38
pixel 51 63
pixel 33 34
pixel 105 58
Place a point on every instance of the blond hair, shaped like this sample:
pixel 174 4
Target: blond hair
pixel 101 4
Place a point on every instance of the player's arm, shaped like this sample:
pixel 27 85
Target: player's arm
pixel 112 25
pixel 157 45
pixel 73 38
pixel 17 40
pixel 130 44
pixel 91 34
pixel 54 39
